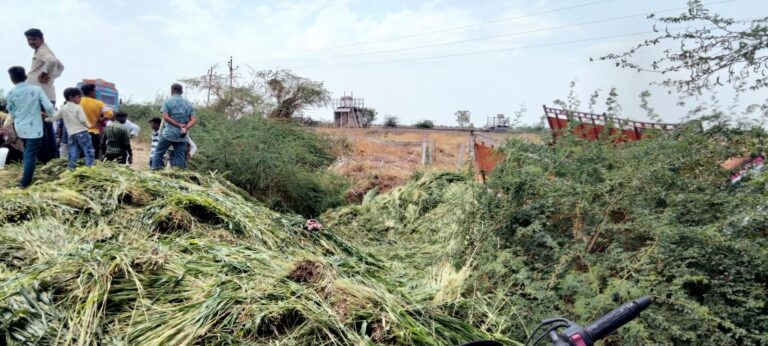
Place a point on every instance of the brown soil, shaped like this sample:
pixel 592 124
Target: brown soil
pixel 307 272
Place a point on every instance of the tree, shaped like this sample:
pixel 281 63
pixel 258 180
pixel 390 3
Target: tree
pixel 462 117
pixel 718 51
pixel 612 105
pixel 650 112
pixel 518 117
pixel 424 124
pixel 236 101
pixel 390 121
pixel 369 116
pixel 593 100
pixel 573 103
pixel 290 93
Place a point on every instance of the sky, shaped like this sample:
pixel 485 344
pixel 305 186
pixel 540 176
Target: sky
pixel 410 59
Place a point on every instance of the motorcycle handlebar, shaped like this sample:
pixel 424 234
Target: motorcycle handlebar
pixel 617 318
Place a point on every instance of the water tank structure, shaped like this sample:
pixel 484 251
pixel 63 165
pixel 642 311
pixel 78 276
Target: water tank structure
pixel 348 112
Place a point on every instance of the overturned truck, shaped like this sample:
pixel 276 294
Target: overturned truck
pixel 592 126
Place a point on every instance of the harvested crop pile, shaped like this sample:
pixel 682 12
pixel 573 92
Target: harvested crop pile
pixel 106 255
pixel 427 233
pixel 577 228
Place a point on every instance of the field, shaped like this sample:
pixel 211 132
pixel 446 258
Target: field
pixel 371 158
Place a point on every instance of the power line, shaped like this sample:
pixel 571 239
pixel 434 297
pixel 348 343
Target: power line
pixel 458 27
pixel 487 51
pixel 597 21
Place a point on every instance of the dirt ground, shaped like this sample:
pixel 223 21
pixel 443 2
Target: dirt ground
pixel 140 155
pixel 371 157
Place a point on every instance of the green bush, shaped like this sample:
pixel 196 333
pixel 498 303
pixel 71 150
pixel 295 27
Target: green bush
pixel 424 124
pixel 279 163
pixel 581 226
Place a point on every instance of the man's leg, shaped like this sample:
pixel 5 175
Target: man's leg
pixel 157 158
pixel 48 150
pixel 31 149
pixel 96 143
pixel 179 157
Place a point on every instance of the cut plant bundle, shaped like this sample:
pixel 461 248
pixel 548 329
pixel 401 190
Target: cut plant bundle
pixel 106 255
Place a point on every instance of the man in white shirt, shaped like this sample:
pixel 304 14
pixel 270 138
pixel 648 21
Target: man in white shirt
pixel 44 70
pixel 133 128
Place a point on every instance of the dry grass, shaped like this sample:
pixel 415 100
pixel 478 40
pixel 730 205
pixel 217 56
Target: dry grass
pixel 369 163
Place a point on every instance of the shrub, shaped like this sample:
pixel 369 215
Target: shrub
pixel 424 124
pixel 279 163
pixel 581 226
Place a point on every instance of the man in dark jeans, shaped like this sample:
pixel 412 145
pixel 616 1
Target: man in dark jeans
pixel 43 72
pixel 179 117
pixel 25 104
pixel 116 141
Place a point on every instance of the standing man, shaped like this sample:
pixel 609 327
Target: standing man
pixel 44 70
pixel 97 113
pixel 25 103
pixel 116 141
pixel 179 117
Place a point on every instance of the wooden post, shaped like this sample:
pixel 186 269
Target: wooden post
pixel 424 153
pixel 432 153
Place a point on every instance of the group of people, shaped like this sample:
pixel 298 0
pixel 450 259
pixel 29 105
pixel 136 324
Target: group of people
pixel 85 126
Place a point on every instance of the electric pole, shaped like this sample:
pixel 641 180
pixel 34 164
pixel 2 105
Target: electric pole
pixel 231 72
pixel 210 84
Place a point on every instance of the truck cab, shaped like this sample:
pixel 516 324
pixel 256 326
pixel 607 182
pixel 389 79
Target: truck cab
pixel 105 92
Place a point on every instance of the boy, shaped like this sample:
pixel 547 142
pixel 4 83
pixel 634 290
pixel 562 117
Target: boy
pixel 154 124
pixel 25 103
pixel 76 125
pixel 116 142
pixel 97 113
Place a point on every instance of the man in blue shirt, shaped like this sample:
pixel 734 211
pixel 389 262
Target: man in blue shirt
pixel 179 117
pixel 26 103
